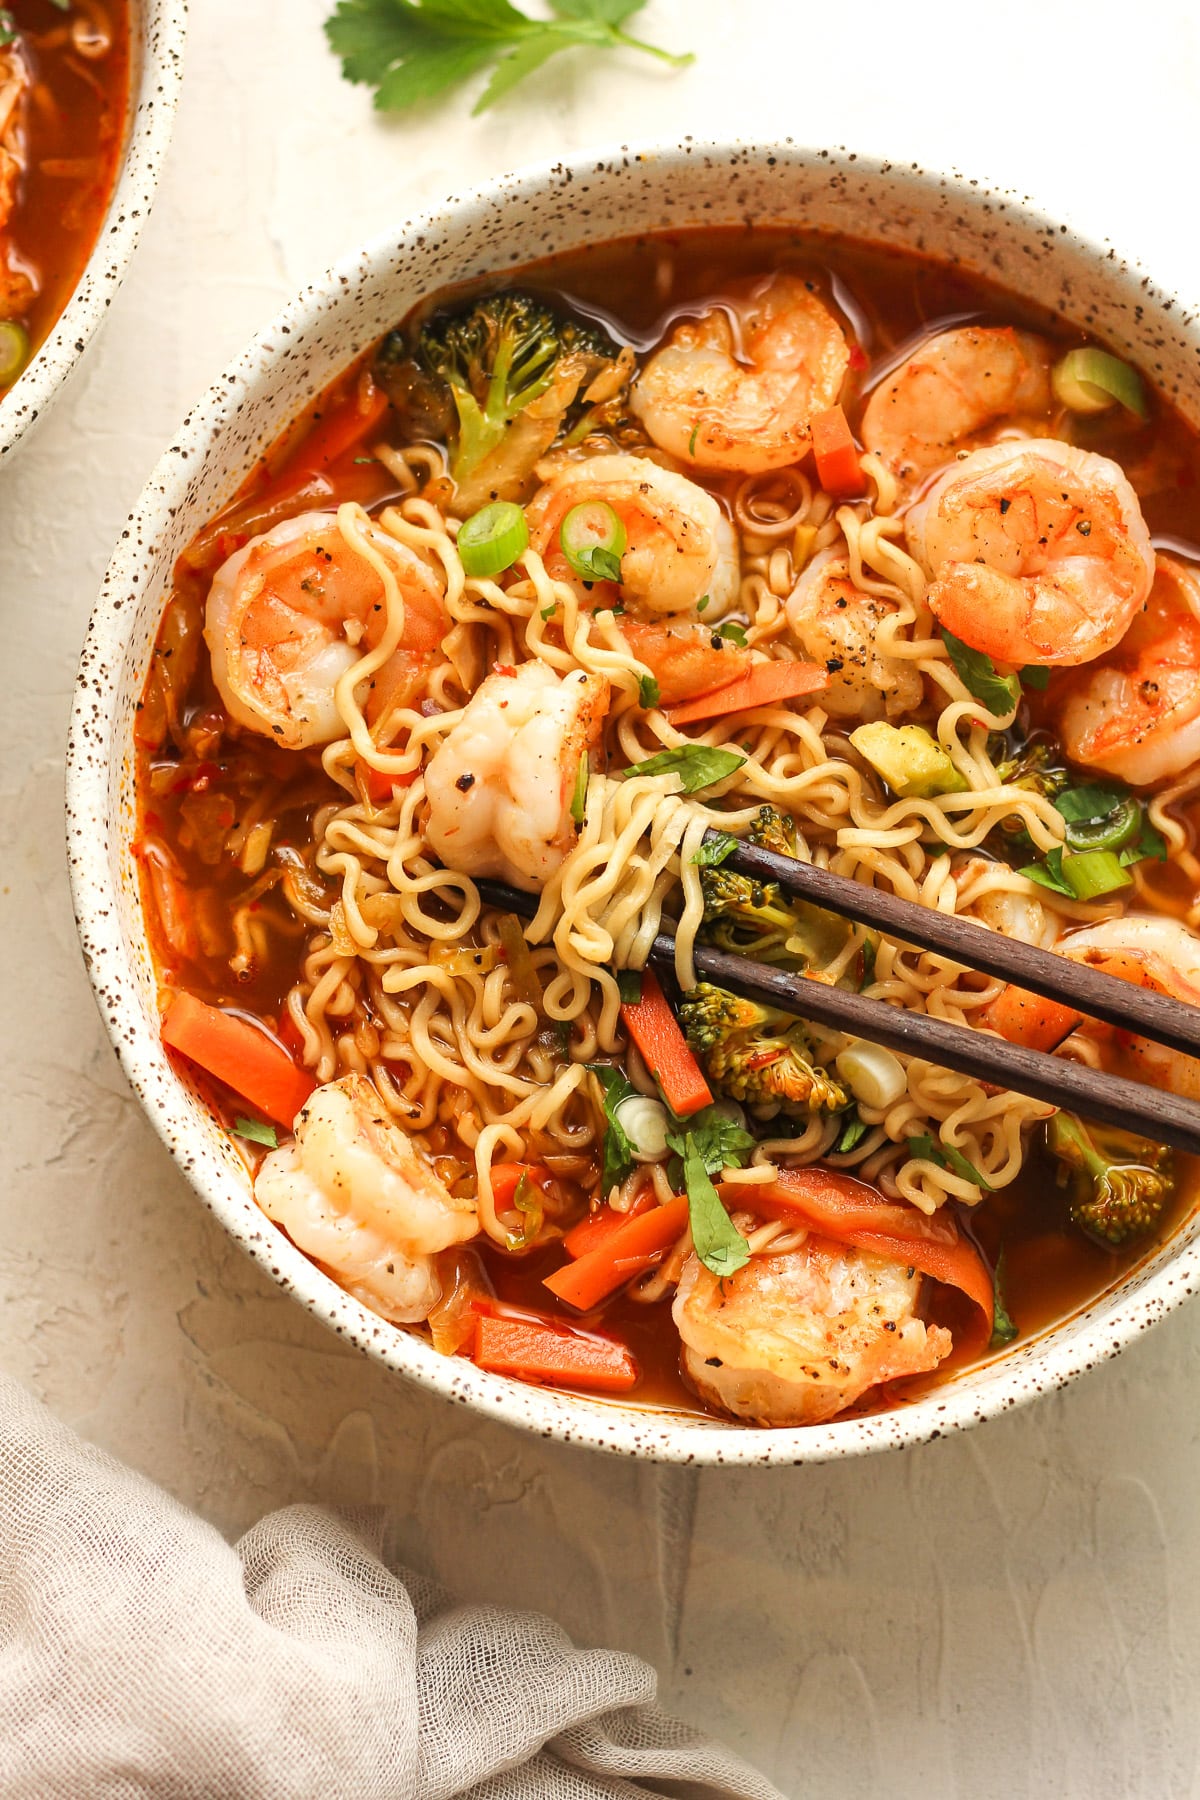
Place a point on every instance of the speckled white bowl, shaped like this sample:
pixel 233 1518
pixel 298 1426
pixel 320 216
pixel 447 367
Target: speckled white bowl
pixel 158 28
pixel 509 223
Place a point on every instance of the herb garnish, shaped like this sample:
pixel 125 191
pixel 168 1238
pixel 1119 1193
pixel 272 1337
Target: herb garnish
pixel 1004 1328
pixel 697 766
pixel 257 1132
pixel 714 850
pixel 925 1149
pixel 977 672
pixel 705 1144
pixel 410 52
pixel 648 691
pixel 618 1147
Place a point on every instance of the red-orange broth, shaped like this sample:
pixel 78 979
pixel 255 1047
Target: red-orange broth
pixel 59 155
pixel 196 768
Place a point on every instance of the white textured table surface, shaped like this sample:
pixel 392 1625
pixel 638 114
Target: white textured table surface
pixel 1011 1613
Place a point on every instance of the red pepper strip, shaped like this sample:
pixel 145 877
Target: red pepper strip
pixel 626 1251
pixel 539 1350
pixel 655 1030
pixel 239 1054
pixel 840 1207
pixel 838 468
pixel 766 684
pixel 598 1227
pixel 377 786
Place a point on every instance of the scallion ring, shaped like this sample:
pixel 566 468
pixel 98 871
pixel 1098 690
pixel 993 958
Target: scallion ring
pixel 1090 381
pixel 593 541
pixel 1094 873
pixel 491 540
pixel 14 350
pixel 1113 832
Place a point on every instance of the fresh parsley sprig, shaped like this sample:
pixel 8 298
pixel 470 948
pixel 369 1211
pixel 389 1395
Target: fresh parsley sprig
pixel 977 672
pixel 705 1144
pixel 697 765
pixel 415 50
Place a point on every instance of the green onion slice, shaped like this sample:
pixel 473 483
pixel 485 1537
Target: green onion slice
pixel 1093 873
pixel 593 541
pixel 14 350
pixel 1090 381
pixel 1112 832
pixel 579 797
pixel 491 540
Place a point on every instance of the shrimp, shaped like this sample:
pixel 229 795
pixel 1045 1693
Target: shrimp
pixel 1136 713
pixel 951 392
pixel 835 623
pixel 1153 952
pixel 796 1338
pixel 680 546
pixel 736 388
pixel 1038 552
pixel 500 785
pixel 354 1193
pixel 295 608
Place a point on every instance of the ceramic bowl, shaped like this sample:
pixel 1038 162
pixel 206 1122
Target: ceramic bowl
pixel 156 52
pixel 522 216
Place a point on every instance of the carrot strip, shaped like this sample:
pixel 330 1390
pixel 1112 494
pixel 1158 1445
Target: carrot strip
pixel 655 1030
pixel 765 684
pixel 598 1227
pixel 838 468
pixel 239 1054
pixel 625 1252
pixel 1030 1019
pixel 840 1207
pixel 536 1350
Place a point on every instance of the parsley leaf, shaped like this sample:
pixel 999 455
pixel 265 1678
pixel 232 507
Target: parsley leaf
pixel 716 1239
pixel 618 1149
pixel 977 672
pixel 697 766
pixel 595 563
pixel 853 1132
pixel 1034 677
pixel 1082 804
pixel 1048 874
pixel 415 50
pixel 714 850
pixel 648 691
pixel 1150 842
pixel 719 1141
pixel 735 633
pixel 924 1149
pixel 1004 1328
pixel 257 1132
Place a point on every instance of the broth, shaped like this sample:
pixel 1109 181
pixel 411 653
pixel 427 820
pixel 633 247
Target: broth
pixel 70 133
pixel 222 928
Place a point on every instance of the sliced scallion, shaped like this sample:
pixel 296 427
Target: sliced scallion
pixel 14 350
pixel 593 541
pixel 1090 381
pixel 491 540
pixel 1092 873
pixel 579 797
pixel 1113 832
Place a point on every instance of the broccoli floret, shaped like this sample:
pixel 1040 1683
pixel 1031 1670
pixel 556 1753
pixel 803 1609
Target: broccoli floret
pixel 756 1054
pixel 1118 1185
pixel 753 918
pixel 499 381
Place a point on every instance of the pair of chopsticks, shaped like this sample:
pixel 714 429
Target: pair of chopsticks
pixel 1150 1112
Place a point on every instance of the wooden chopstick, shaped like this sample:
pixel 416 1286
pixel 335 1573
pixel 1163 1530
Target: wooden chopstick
pixel 1149 1112
pixel 1121 1003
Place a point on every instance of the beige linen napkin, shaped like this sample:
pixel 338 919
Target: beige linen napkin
pixel 140 1654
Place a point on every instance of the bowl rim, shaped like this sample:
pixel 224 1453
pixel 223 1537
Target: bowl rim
pixel 657 1435
pixel 158 35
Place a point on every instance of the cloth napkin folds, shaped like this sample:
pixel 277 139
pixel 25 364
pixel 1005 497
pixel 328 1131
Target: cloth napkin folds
pixel 140 1654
